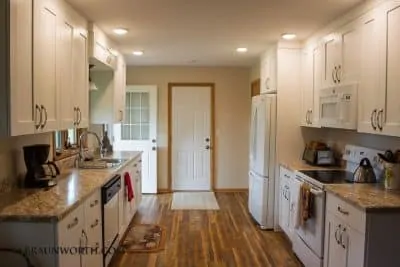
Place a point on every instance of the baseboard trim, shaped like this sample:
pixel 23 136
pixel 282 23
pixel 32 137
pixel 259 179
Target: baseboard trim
pixel 230 190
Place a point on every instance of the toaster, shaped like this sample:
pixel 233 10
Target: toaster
pixel 319 157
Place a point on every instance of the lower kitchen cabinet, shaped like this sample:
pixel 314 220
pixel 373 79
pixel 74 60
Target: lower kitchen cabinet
pixel 285 177
pixel 356 238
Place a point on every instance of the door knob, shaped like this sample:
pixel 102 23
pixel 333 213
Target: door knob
pixel 207 147
pixel 154 148
pixel 153 141
pixel 207 139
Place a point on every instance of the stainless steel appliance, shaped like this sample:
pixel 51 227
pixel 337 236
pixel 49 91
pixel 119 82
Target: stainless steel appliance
pixel 319 157
pixel 110 213
pixel 40 171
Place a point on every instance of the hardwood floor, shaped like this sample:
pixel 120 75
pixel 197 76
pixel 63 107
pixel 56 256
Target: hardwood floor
pixel 227 237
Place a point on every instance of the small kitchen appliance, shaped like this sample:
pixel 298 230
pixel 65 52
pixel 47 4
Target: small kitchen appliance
pixel 364 173
pixel 319 154
pixel 40 171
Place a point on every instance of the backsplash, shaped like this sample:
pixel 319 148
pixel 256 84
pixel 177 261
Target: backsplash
pixel 337 139
pixel 12 159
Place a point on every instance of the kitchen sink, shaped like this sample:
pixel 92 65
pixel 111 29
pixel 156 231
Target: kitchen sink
pixel 100 163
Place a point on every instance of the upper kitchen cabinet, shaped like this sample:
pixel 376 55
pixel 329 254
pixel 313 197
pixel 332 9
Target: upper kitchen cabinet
pixel 46 16
pixel 73 69
pixel 342 55
pixel 107 103
pixel 311 83
pixel 268 69
pixel 379 103
pixel 102 52
pixel 16 92
pixel 388 111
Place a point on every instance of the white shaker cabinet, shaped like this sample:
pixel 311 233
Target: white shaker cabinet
pixel 18 119
pixel 71 235
pixel 388 114
pixel 311 83
pixel 331 48
pixel 81 78
pixel 284 200
pixel 120 90
pixel 73 71
pixel 45 35
pixel 93 231
pixel 268 71
pixel 370 92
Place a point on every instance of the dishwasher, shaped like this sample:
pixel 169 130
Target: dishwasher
pixel 109 196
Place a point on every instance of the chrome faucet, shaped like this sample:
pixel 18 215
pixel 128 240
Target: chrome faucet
pixel 81 154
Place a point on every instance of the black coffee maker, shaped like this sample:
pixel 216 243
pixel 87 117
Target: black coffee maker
pixel 40 171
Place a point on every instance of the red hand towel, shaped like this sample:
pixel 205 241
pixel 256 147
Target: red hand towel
pixel 129 186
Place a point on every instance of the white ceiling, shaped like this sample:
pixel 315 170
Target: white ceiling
pixel 176 32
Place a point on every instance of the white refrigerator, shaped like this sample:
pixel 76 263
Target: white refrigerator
pixel 262 160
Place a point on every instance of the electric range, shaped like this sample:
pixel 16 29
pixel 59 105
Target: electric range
pixel 329 176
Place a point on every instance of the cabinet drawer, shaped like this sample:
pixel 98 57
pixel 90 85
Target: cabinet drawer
pixel 93 206
pixel 285 173
pixel 346 212
pixel 71 225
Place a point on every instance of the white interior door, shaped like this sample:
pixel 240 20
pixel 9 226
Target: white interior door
pixel 191 138
pixel 138 132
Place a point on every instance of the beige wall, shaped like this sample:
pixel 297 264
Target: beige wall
pixel 12 159
pixel 233 105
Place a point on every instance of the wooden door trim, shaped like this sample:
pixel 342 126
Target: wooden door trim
pixel 212 125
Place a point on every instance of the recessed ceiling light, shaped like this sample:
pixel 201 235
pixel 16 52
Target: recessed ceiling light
pixel 120 31
pixel 138 53
pixel 289 36
pixel 241 50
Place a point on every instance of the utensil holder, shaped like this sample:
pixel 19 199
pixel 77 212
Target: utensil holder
pixel 392 175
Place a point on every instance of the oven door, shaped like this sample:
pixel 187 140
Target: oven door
pixel 312 231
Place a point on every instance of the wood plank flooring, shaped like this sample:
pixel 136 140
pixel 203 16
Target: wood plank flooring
pixel 227 237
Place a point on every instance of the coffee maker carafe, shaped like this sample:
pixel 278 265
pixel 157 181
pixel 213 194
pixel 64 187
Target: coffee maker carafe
pixel 40 171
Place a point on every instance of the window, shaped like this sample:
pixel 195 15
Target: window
pixel 62 140
pixel 136 125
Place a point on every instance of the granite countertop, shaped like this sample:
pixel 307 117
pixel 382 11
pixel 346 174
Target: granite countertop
pixel 53 204
pixel 368 197
pixel 302 165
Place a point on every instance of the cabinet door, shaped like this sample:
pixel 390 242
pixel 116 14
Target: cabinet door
pixel 389 113
pixel 65 56
pixel 70 236
pixel 264 69
pixel 81 79
pixel 355 247
pixel 306 87
pixel 272 71
pixel 45 28
pixel 332 60
pixel 21 91
pixel 350 53
pixel 370 92
pixel 119 91
pixel 335 254
pixel 318 67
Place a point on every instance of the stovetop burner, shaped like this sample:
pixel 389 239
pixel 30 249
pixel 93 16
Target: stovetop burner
pixel 330 176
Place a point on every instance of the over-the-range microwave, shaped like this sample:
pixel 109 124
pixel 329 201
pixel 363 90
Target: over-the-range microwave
pixel 338 106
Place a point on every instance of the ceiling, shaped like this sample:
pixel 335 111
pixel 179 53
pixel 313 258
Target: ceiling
pixel 206 32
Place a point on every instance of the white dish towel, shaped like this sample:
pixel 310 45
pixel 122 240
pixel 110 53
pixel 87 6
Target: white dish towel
pixel 295 202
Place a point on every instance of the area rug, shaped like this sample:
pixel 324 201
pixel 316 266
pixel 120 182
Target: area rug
pixel 194 201
pixel 144 238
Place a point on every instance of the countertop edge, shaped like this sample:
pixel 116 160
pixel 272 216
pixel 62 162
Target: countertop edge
pixel 59 217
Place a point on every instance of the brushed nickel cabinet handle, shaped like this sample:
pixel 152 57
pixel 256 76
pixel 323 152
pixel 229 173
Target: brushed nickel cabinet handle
pixel 73 224
pixel 379 119
pixel 342 211
pixel 38 110
pixel 94 203
pixel 311 114
pixel 338 77
pixel 79 115
pixel 341 238
pixel 333 74
pixel 337 233
pixel 96 222
pixel 45 116
pixel 373 115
